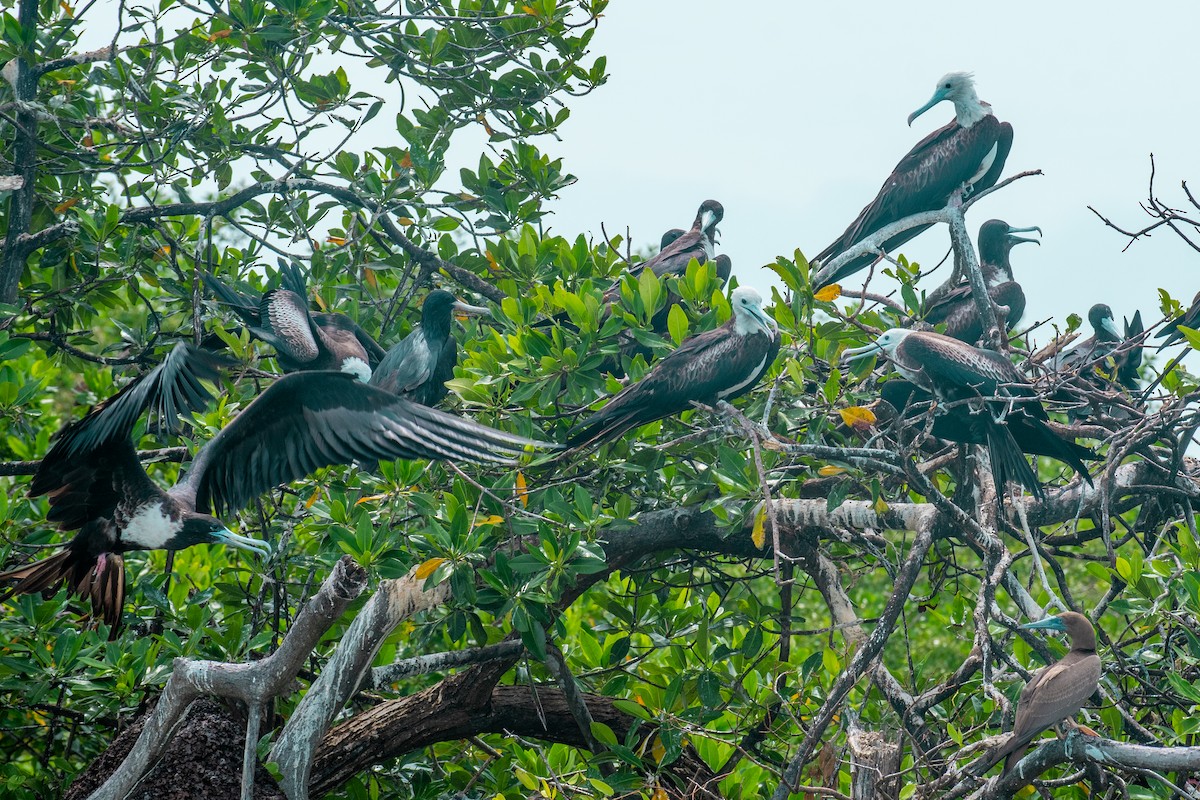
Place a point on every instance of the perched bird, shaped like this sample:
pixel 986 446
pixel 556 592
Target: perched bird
pixel 302 422
pixel 418 367
pixel 699 242
pixel 1056 692
pixel 1188 319
pixel 968 153
pixel 720 364
pixel 1101 362
pixel 988 385
pixel 959 424
pixel 668 237
pixel 302 340
pixel 954 304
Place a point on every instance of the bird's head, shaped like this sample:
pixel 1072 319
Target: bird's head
pixel 203 529
pixel 748 313
pixel 441 305
pixel 1101 317
pixel 358 368
pixel 958 88
pixel 997 238
pixel 711 212
pixel 724 267
pixel 669 238
pixel 1079 627
pixel 885 344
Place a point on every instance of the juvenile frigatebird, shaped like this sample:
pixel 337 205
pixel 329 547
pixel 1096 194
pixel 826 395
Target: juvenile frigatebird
pixel 1099 363
pixel 418 367
pixel 1056 692
pixel 967 154
pixel 954 304
pixel 987 384
pixel 721 364
pixel 958 424
pixel 303 421
pixel 302 339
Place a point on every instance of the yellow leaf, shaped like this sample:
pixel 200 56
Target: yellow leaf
pixel 880 507
pixel 215 35
pixel 860 418
pixel 369 276
pixel 529 10
pixel 759 534
pixel 426 569
pixel 658 751
pixel 338 240
pixel 405 221
pixel 65 204
pixel 66 82
pixel 66 8
pixel 831 292
pixel 494 519
pixel 370 498
pixel 320 303
pixel 522 491
pixel 309 502
pixel 829 471
pixel 493 265
pixel 659 793
pixel 406 162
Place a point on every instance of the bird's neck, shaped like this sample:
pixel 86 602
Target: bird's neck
pixel 970 110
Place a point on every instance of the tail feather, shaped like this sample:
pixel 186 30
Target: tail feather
pixel 1008 462
pixel 1013 759
pixel 100 580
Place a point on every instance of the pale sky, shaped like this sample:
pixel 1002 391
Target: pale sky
pixel 794 115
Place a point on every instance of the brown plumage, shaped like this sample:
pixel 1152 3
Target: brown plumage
pixel 1056 692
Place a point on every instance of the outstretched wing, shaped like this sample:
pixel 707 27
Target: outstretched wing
pixel 170 390
pixel 308 420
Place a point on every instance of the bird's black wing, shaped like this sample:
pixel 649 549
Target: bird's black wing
pixel 172 389
pixel 287 326
pixel 244 306
pixel 308 420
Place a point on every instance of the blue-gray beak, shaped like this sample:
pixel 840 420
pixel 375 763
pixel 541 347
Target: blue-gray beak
pixel 466 309
pixel 707 220
pixel 231 539
pixel 854 354
pixel 1046 624
pixel 1109 325
pixel 938 97
pixel 1031 229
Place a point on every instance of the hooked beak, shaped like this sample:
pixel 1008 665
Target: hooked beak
pixel 231 539
pixel 860 353
pixel 1018 239
pixel 707 220
pixel 1046 624
pixel 1109 326
pixel 468 310
pixel 767 323
pixel 938 97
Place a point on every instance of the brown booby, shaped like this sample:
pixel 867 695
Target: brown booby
pixel 1056 692
pixel 303 421
pixel 987 384
pixel 721 364
pixel 302 339
pixel 418 367
pixel 966 154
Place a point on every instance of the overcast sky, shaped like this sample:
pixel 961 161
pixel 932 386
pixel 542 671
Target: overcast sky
pixel 793 114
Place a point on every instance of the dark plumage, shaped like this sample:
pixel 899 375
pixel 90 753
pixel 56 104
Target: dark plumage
pixel 1056 692
pixel 418 367
pixel 302 422
pixel 1102 362
pixel 720 364
pixel 957 373
pixel 970 151
pixel 302 339
pixel 954 304
pixel 1190 318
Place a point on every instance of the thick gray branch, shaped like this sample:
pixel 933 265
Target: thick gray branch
pixel 252 683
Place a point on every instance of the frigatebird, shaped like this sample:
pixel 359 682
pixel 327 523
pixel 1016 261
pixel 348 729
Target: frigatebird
pixel 953 302
pixel 302 339
pixel 303 421
pixel 418 367
pixel 1057 691
pixel 987 384
pixel 1101 362
pixel 966 155
pixel 958 424
pixel 721 364
pixel 1188 319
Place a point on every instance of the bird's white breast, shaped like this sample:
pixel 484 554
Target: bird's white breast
pixel 985 165
pixel 150 528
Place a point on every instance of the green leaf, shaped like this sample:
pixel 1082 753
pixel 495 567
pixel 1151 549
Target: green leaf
pixel 677 324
